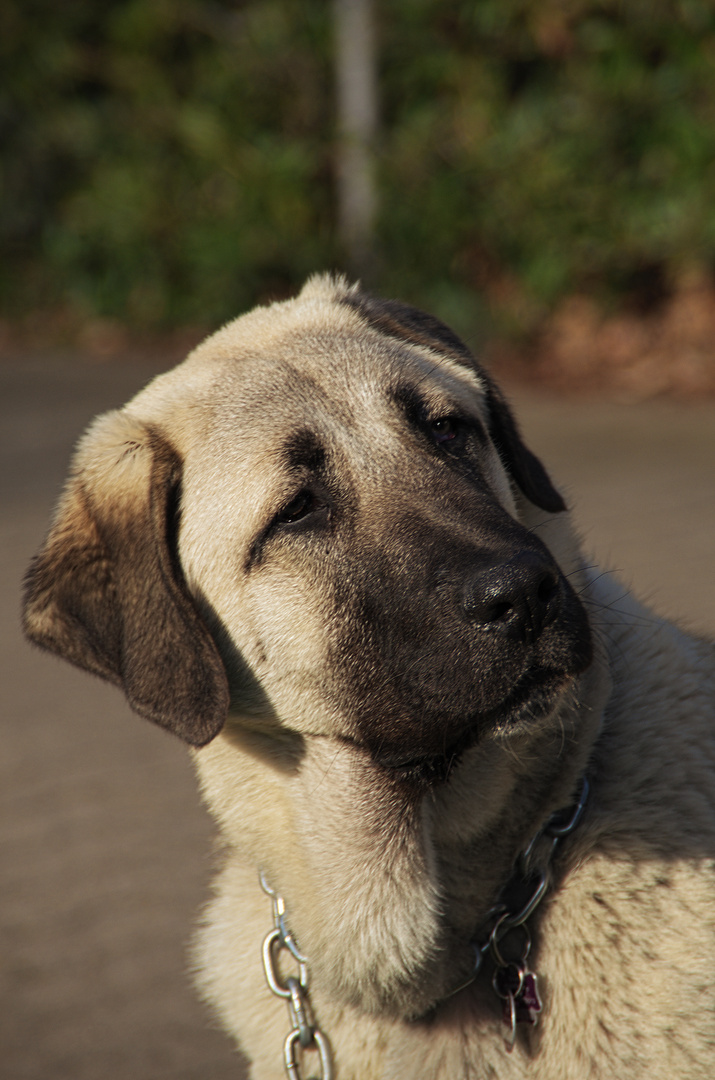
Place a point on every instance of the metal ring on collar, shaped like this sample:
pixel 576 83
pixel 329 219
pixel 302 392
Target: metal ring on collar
pixel 555 828
pixel 496 936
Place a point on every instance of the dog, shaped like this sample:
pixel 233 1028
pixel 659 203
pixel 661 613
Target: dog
pixel 475 780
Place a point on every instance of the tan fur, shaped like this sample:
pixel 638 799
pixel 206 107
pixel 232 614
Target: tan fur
pixel 387 881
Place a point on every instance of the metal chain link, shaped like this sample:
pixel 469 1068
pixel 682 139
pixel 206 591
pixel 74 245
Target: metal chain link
pixel 305 1035
pixel 513 981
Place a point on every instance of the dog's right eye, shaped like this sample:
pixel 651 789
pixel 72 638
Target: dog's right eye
pixel 444 429
pixel 303 504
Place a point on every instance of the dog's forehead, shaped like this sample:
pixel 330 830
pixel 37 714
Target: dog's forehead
pixel 315 372
pixel 345 374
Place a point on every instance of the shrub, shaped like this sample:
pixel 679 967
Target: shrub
pixel 172 160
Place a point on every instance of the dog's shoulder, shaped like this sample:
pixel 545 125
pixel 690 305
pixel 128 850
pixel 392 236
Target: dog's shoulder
pixel 628 937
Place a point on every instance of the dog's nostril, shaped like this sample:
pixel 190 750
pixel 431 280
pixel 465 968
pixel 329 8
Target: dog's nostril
pixel 518 597
pixel 495 612
pixel 548 588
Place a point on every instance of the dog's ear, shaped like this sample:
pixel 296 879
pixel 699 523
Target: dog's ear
pixel 518 460
pixel 407 323
pixel 106 591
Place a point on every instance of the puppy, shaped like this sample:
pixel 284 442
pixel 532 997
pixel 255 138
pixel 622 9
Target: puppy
pixel 477 782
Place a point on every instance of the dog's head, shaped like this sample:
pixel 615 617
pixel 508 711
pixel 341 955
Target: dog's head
pixel 325 521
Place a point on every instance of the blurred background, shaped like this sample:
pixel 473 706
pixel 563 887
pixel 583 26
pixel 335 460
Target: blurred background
pixel 540 173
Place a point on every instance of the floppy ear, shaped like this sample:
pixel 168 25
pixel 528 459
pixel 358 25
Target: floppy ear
pixel 106 591
pixel 518 460
pixel 407 323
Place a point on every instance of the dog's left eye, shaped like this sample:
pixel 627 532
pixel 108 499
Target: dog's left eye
pixel 303 504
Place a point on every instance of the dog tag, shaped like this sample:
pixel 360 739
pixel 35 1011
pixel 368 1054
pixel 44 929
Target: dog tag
pixel 509 1018
pixel 528 1003
pixel 521 1008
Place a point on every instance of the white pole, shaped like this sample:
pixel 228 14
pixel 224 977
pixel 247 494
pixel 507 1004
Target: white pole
pixel 356 93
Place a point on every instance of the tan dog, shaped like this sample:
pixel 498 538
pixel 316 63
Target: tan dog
pixel 319 552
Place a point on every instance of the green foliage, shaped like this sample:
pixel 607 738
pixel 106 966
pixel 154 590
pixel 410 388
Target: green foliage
pixel 168 161
pixel 165 161
pixel 552 146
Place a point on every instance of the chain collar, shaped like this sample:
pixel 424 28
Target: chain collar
pixel 504 938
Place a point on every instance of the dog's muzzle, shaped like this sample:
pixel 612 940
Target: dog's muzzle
pixel 498 654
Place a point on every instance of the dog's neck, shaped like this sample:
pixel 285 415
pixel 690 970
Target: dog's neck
pixel 386 889
pixel 513 981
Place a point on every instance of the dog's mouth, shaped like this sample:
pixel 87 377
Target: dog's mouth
pixel 430 769
pixel 532 699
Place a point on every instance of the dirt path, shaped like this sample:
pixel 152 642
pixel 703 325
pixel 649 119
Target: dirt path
pixel 105 848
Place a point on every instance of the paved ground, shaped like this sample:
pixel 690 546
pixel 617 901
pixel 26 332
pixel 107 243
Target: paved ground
pixel 105 848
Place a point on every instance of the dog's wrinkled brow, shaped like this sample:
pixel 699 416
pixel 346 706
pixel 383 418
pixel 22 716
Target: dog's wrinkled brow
pixel 418 401
pixel 303 449
pixel 409 400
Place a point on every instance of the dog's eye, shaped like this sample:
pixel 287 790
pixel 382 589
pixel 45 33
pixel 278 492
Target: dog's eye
pixel 303 504
pixel 444 429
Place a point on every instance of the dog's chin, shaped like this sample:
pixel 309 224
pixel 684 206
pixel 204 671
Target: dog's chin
pixel 532 700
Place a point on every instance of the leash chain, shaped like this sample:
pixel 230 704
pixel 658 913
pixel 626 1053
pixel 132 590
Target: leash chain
pixel 305 1035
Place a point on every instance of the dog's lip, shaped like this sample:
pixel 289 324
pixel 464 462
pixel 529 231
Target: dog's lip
pixel 533 697
pixel 432 766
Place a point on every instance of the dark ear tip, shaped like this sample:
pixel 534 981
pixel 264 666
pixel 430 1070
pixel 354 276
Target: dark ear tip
pixel 203 729
pixel 525 468
pixel 205 734
pixel 554 505
pixel 535 482
pixel 195 730
pixel 538 487
pixel 198 721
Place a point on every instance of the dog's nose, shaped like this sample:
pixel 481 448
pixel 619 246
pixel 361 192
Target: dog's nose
pixel 517 598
